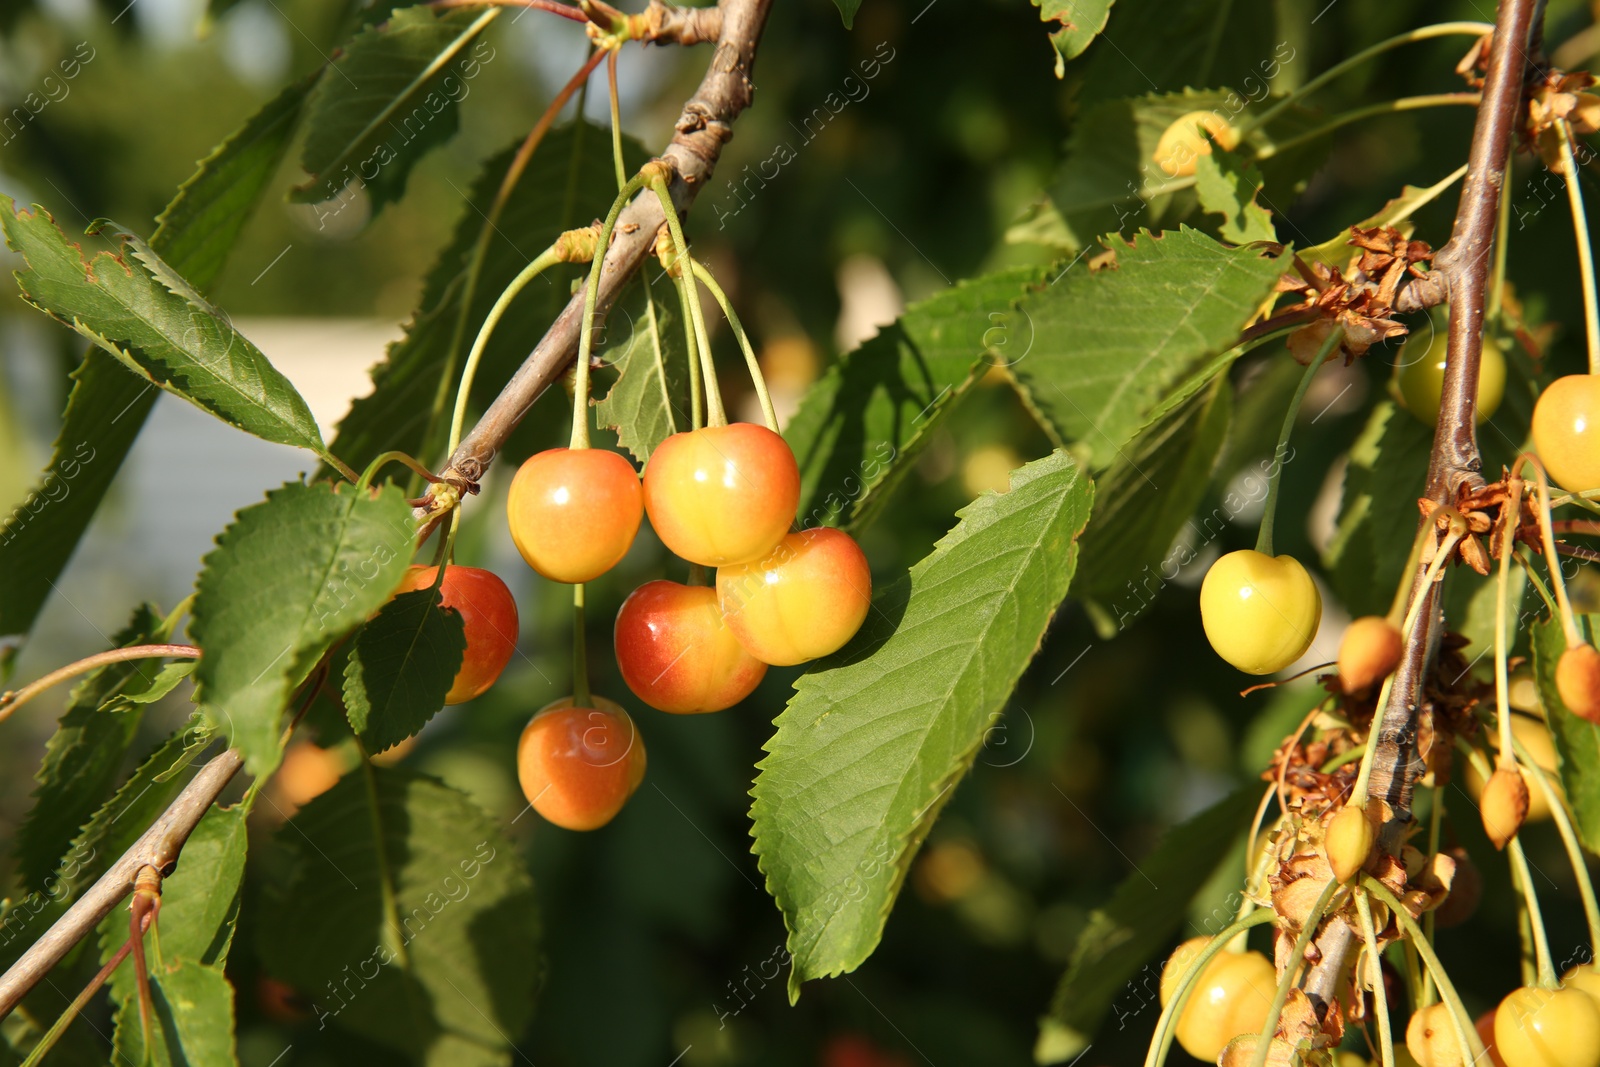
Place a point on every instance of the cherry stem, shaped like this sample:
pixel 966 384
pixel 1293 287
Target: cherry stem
pixel 394 457
pixel 1461 1022
pixel 1502 683
pixel 1369 934
pixel 1442 29
pixel 1161 1041
pixel 1269 512
pixel 1541 941
pixel 11 701
pixel 1552 559
pixel 1297 956
pixel 1502 244
pixel 1425 535
pixel 715 416
pixel 1525 557
pixel 767 411
pixel 1580 229
pixel 142 912
pixel 1388 107
pixel 580 654
pixel 1435 825
pixel 591 294
pixel 1569 839
pixel 616 119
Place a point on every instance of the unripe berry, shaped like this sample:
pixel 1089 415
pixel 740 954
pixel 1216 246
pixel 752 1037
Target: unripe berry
pixel 1548 1028
pixel 1421 379
pixel 1431 1039
pixel 1534 737
pixel 1348 841
pixel 1368 653
pixel 1578 681
pixel 1504 805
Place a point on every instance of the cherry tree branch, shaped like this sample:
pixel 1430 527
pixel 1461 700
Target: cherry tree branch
pixel 157 847
pixel 703 128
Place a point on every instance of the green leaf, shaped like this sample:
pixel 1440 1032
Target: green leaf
pixel 1386 473
pixel 651 395
pixel 1142 915
pixel 132 312
pixel 404 881
pixel 165 681
pixel 1145 499
pixel 1577 740
pixel 1081 22
pixel 192 1016
pixel 1166 45
pixel 1337 251
pixel 877 735
pixel 107 405
pixel 1114 347
pixel 389 97
pixel 400 668
pixel 568 182
pixel 865 422
pixel 847 10
pixel 1227 185
pixel 83 756
pixel 287 579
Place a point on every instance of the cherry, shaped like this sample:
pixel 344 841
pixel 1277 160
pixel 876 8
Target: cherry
pixel 1586 977
pixel 1183 143
pixel 489 615
pixel 574 512
pixel 578 766
pixel 1503 805
pixel 1368 652
pixel 722 495
pixel 1348 841
pixel 1578 681
pixel 1260 612
pixel 1535 738
pixel 1421 379
pixel 1548 1028
pixel 1485 1027
pixel 1431 1039
pixel 677 654
pixel 1566 431
pixel 1231 996
pixel 805 599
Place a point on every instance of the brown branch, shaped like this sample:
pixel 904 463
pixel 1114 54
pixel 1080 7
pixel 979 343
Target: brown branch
pixel 702 129
pixel 157 847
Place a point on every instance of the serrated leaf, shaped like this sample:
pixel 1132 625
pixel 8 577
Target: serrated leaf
pixel 1081 22
pixel 1114 347
pixel 165 681
pixel 876 736
pixel 1142 915
pixel 287 579
pixel 400 668
pixel 191 352
pixel 192 1016
pixel 389 96
pixel 424 897
pixel 863 424
pixel 1337 251
pixel 568 182
pixel 83 757
pixel 650 398
pixel 107 405
pixel 1145 499
pixel 1577 740
pixel 1227 185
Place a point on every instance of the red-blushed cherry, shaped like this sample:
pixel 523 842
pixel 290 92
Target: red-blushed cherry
pixel 722 495
pixel 489 616
pixel 1566 431
pixel 573 513
pixel 804 599
pixel 676 653
pixel 578 766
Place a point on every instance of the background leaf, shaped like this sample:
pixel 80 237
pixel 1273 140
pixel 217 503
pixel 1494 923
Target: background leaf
pixel 649 402
pixel 1577 740
pixel 1142 915
pixel 400 668
pixel 876 736
pixel 408 883
pixel 1111 348
pixel 389 97
pixel 287 579
pixel 865 422
pixel 189 350
pixel 107 405
pixel 1080 20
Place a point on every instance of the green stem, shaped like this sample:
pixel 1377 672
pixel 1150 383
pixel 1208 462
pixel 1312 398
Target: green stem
pixel 1264 538
pixel 1442 29
pixel 1297 956
pixel 393 457
pixel 1541 942
pixel 1525 557
pixel 760 381
pixel 591 296
pixel 1388 107
pixel 1466 1033
pixel 1502 684
pixel 580 652
pixel 616 121
pixel 1375 978
pixel 1502 241
pixel 1569 839
pixel 1435 824
pixel 1161 1041
pixel 715 416
pixel 1580 228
